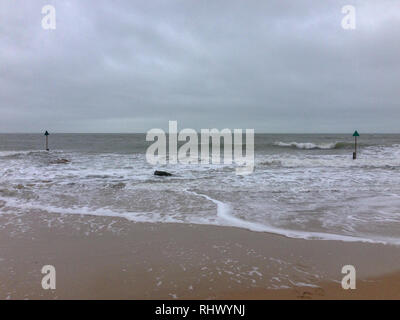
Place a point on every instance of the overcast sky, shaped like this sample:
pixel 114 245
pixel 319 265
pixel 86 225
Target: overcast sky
pixel 129 66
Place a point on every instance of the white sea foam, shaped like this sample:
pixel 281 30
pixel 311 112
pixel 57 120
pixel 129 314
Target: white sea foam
pixel 224 211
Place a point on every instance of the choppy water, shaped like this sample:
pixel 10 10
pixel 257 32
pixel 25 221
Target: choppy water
pixel 303 186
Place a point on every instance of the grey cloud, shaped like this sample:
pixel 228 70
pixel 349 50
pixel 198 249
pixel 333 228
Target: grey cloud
pixel 128 66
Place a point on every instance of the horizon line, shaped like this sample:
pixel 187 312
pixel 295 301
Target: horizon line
pixel 198 132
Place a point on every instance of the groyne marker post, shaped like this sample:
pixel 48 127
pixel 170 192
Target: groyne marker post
pixel 355 135
pixel 47 140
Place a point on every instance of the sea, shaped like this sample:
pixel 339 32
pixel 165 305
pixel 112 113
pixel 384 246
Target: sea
pixel 303 186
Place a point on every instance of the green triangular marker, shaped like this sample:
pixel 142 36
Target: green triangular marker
pixel 355 134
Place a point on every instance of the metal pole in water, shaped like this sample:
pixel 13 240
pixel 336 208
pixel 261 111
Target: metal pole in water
pixel 47 140
pixel 355 135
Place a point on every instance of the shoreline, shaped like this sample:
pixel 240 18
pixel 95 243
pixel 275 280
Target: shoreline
pixel 113 258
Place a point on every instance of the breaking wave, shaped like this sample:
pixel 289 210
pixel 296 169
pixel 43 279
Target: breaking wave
pixel 310 145
pixel 17 154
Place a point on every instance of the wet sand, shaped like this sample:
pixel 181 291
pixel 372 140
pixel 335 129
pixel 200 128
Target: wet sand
pixel 112 258
pixel 384 287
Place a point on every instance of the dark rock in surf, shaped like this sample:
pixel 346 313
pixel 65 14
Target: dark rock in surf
pixel 119 185
pixel 162 173
pixel 60 161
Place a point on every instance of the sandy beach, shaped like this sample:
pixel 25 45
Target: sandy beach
pixel 112 258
